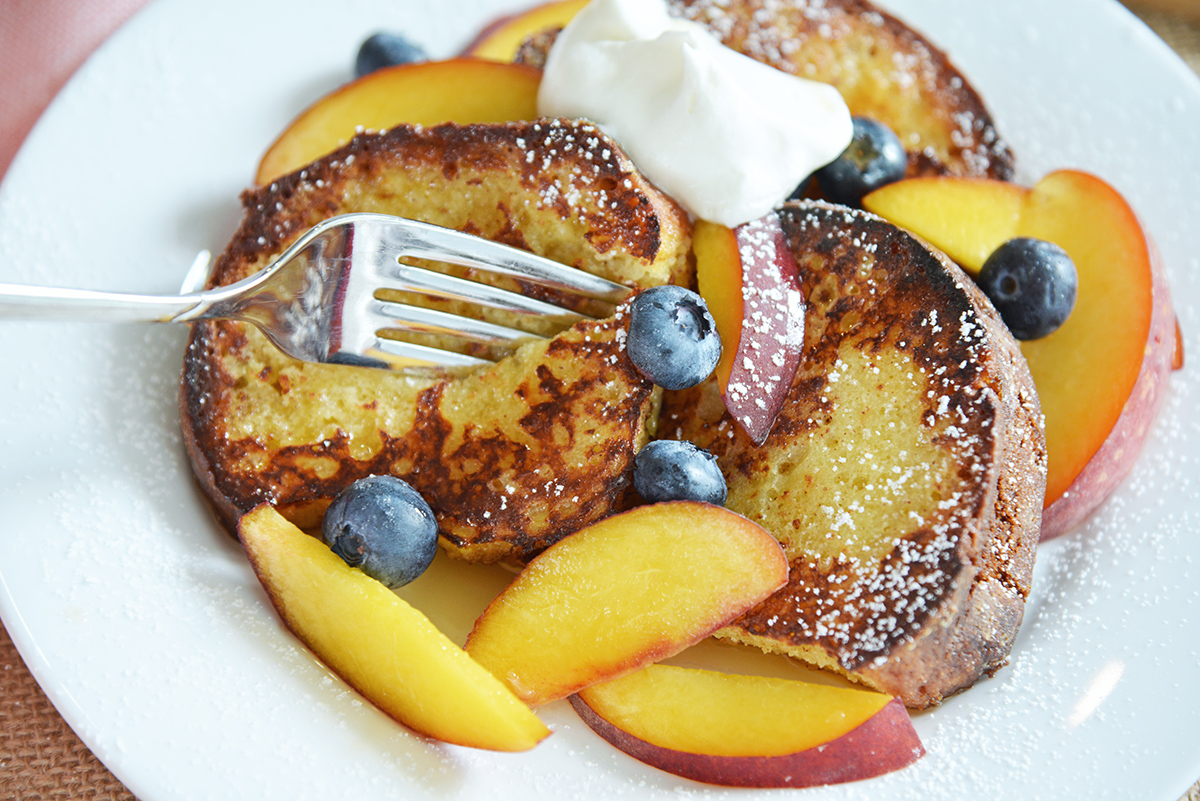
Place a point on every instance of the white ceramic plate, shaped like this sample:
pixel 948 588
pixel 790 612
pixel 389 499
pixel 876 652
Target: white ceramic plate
pixel 147 630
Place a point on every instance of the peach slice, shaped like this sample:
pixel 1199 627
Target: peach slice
pixel 749 279
pixel 465 90
pixel 1128 327
pixel 1101 377
pixel 750 731
pixel 965 218
pixel 502 39
pixel 619 594
pixel 380 645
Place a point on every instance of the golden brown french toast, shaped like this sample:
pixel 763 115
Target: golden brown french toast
pixel 511 457
pixel 884 69
pixel 904 475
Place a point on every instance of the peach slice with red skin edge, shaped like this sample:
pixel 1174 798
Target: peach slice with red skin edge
pixel 379 644
pixel 624 592
pixel 1121 331
pixel 750 731
pixel 1117 455
pixel 501 39
pixel 1102 376
pixel 749 279
pixel 464 90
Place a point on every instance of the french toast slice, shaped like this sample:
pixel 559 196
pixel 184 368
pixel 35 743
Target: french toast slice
pixel 884 69
pixel 510 457
pixel 904 475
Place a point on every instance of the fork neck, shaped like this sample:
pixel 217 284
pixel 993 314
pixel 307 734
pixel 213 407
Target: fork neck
pixel 55 303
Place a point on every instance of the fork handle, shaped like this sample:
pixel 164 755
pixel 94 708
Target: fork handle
pixel 22 302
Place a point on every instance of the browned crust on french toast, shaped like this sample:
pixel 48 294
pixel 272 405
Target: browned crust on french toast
pixel 942 604
pixel 511 499
pixel 539 155
pixel 511 457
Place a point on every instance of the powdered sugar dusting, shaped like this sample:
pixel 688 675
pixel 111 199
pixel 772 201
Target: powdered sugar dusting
pixel 772 328
pixel 1116 597
pixel 883 483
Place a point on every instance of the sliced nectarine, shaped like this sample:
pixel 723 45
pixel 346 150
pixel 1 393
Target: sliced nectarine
pixel 719 279
pixel 502 39
pixel 465 90
pixel 750 731
pixel 619 594
pixel 380 645
pixel 1101 376
pixel 1085 371
pixel 965 218
pixel 1105 468
pixel 749 279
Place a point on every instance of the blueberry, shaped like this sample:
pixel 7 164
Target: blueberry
pixel 874 157
pixel 673 338
pixel 385 49
pixel 384 527
pixel 1032 283
pixel 677 470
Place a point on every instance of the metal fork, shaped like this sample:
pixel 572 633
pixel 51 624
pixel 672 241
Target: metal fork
pixel 318 301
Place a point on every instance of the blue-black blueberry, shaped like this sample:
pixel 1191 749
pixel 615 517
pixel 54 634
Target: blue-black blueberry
pixel 1032 283
pixel 382 526
pixel 386 49
pixel 874 157
pixel 677 470
pixel 673 338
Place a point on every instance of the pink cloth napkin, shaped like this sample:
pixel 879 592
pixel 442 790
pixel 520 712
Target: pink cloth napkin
pixel 42 43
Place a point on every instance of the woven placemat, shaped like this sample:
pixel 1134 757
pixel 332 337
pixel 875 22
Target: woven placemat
pixel 41 759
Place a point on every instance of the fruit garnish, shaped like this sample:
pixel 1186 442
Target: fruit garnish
pixel 503 38
pixel 965 218
pixel 464 90
pixel 386 49
pixel 632 589
pixel 748 276
pixel 1101 376
pixel 677 470
pixel 380 645
pixel 875 157
pixel 1032 283
pixel 750 731
pixel 382 526
pixel 673 339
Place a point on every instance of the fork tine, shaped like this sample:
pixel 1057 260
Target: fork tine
pixel 421 320
pixel 422 240
pixel 399 355
pixel 428 282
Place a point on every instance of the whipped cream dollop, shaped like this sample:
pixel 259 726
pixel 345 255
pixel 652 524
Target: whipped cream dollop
pixel 727 137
